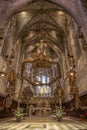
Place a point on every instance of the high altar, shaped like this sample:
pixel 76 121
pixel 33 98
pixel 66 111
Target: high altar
pixel 42 109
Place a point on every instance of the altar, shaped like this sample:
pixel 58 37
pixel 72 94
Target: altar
pixel 40 111
pixel 42 108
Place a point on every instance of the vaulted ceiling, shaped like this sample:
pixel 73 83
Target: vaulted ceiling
pixel 41 20
pixel 84 3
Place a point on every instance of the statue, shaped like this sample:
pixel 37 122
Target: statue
pixel 72 82
pixel 59 95
pixel 75 93
pixel 12 78
pixel 11 83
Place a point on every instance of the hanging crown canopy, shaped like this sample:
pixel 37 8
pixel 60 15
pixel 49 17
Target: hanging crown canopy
pixel 42 57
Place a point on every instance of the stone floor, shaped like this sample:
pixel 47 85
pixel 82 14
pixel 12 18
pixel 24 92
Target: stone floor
pixel 43 123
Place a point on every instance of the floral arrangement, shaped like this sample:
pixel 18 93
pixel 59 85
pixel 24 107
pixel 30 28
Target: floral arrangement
pixel 59 113
pixel 19 114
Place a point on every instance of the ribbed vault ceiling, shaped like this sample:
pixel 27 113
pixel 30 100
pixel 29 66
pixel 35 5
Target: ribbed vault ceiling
pixel 41 20
pixel 84 2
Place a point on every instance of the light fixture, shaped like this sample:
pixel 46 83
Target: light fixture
pixel 71 61
pixel 23 14
pixel 4 69
pixel 2 74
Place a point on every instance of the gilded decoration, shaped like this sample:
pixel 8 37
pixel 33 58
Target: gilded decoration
pixel 12 79
pixel 43 103
pixel 41 70
pixel 72 75
pixel 42 58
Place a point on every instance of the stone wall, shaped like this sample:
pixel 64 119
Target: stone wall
pixel 2 79
pixel 82 73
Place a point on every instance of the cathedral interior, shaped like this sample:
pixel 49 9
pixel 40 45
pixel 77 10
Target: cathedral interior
pixel 43 64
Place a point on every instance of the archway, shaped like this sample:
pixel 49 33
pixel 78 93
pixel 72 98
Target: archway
pixel 11 8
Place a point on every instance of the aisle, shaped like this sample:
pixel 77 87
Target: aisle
pixel 66 124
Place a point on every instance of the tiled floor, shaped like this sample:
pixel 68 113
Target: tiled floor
pixel 42 124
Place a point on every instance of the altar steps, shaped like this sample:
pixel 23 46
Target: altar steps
pixel 39 119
